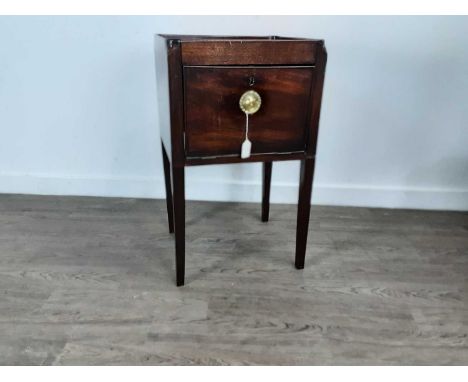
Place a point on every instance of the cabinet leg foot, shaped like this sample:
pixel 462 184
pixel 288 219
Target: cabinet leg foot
pixel 266 191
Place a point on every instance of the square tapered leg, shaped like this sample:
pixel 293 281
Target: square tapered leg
pixel 266 185
pixel 178 186
pixel 303 209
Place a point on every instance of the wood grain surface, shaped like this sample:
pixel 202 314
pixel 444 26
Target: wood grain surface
pixel 215 124
pixel 90 281
pixel 248 52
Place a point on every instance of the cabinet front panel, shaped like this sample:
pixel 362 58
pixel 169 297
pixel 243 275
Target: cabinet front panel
pixel 215 124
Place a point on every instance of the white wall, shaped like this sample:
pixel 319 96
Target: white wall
pixel 78 110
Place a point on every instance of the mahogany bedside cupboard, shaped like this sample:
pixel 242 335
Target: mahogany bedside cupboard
pixel 209 85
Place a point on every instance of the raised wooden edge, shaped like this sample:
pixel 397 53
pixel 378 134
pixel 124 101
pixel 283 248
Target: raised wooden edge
pixel 226 159
pixel 249 52
pixel 186 37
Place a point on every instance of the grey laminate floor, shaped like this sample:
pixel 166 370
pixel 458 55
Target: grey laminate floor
pixel 91 281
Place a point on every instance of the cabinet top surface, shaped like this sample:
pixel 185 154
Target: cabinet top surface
pixel 200 38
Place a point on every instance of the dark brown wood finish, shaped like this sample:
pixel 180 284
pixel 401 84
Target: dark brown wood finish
pixel 200 81
pixel 178 182
pixel 266 186
pixel 167 182
pixel 316 91
pixel 228 159
pixel 176 102
pixel 215 125
pixel 171 50
pixel 303 209
pixel 248 52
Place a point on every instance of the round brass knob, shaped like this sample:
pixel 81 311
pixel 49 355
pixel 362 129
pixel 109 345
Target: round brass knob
pixel 250 102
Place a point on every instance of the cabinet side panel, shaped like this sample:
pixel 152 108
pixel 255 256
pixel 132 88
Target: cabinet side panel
pixel 162 86
pixel 316 101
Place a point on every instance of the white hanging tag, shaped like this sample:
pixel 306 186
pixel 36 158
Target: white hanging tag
pixel 246 147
